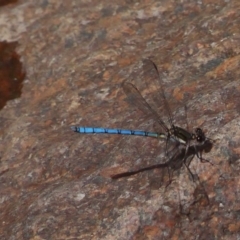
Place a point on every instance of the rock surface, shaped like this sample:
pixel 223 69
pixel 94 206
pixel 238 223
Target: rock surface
pixel 55 183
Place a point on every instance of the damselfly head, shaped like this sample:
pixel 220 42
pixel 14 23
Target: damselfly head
pixel 199 135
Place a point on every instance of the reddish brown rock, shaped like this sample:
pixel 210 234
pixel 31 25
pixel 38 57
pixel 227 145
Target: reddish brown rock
pixel 54 182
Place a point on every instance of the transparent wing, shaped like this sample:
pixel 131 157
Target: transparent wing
pixel 145 90
pixel 135 97
pixel 154 77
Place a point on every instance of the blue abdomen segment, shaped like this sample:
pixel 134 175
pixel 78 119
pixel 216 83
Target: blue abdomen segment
pixel 116 131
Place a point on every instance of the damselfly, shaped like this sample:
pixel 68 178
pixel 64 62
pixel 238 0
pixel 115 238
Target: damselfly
pixel 179 158
pixel 175 134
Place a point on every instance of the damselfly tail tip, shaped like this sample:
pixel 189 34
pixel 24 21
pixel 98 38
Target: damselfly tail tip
pixel 119 175
pixel 74 128
pixel 113 177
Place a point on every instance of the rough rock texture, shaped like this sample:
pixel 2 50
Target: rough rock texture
pixel 55 183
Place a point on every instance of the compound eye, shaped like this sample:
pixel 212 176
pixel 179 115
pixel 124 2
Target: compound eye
pixel 198 131
pixel 199 139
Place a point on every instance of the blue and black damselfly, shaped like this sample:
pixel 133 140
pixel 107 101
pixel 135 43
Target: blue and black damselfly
pixel 187 144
